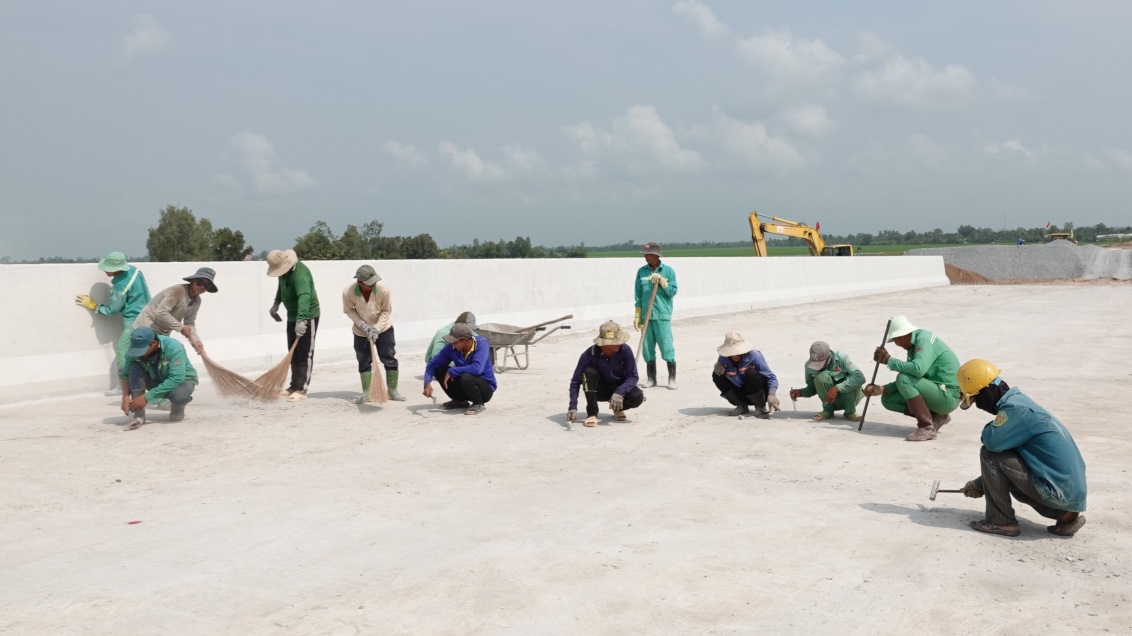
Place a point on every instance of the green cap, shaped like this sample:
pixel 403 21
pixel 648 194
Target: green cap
pixel 114 262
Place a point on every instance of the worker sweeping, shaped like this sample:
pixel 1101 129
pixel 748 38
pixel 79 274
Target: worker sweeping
pixel 606 372
pixel 129 295
pixel 925 386
pixel 1027 453
pixel 658 331
pixel 159 369
pixel 833 377
pixel 743 377
pixel 175 309
pixel 368 305
pixel 296 292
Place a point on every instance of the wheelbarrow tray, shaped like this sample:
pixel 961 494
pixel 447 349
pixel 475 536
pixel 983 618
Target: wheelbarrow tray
pixel 503 339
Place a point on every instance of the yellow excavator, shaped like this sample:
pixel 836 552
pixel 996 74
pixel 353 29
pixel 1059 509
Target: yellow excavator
pixel 792 228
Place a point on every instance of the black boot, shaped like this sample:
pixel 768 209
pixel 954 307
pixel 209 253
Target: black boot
pixel 672 376
pixel 740 404
pixel 650 368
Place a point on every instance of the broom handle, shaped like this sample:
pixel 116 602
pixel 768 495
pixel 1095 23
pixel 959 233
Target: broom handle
pixel 648 314
pixel 876 368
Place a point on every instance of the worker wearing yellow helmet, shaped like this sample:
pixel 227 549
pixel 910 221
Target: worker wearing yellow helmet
pixel 1027 453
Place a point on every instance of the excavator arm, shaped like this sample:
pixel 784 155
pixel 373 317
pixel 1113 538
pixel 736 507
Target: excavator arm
pixel 783 227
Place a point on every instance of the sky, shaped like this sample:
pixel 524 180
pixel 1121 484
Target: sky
pixel 568 122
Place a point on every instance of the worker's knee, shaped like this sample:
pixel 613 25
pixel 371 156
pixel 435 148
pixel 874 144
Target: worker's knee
pixel 823 382
pixel 182 394
pixel 906 386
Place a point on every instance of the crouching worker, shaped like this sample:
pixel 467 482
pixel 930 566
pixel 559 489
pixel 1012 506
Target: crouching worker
pixel 470 381
pixel 743 378
pixel 159 370
pixel 833 377
pixel 606 372
pixel 1027 453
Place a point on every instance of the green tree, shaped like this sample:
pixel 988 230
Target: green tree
pixel 319 244
pixel 179 236
pixel 228 245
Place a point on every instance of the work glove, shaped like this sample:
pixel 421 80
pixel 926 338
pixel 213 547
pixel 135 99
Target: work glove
pixel 637 319
pixel 873 390
pixel 274 312
pixel 370 332
pixel 772 402
pixel 300 328
pixel 717 369
pixel 86 302
pixel 655 279
pixel 831 394
pixel 571 416
pixel 881 355
pixel 795 394
pixel 971 490
pixel 617 402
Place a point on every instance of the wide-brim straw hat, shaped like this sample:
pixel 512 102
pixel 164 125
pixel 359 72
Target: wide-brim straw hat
pixel 899 327
pixel 610 333
pixel 280 262
pixel 733 345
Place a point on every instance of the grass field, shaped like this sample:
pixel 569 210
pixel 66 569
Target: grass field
pixel 868 250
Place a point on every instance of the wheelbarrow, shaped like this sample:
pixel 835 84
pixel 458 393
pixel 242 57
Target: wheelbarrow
pixel 505 339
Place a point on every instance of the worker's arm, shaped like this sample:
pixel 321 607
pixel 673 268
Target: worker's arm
pixel 631 377
pixel 924 353
pixel 809 390
pixel 576 381
pixel 476 362
pixel 163 316
pixel 669 290
pixel 304 286
pixel 764 369
pixel 1008 430
pixel 384 308
pixel 351 310
pixel 856 377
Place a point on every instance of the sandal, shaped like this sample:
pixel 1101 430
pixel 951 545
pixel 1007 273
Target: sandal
pixel 619 416
pixel 476 409
pixel 821 416
pixel 452 405
pixel 591 421
pixel 991 528
pixel 297 396
pixel 1068 529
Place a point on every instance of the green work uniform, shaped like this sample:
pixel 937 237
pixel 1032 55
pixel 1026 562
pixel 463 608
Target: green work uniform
pixel 929 371
pixel 172 368
pixel 128 296
pixel 659 331
pixel 296 292
pixel 842 373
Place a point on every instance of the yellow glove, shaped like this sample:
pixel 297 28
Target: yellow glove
pixel 637 319
pixel 86 301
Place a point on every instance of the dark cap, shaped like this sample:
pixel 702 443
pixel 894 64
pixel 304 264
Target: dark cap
pixel 460 331
pixel 140 340
pixel 819 355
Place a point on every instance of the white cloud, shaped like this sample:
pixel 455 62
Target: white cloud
pixel 914 83
pixel 700 15
pixel 147 37
pixel 639 142
pixel 256 154
pixel 757 149
pixel 810 120
pixel 1008 148
pixel 1117 158
pixel 407 155
pixel 788 59
pixel 517 161
pixel 870 48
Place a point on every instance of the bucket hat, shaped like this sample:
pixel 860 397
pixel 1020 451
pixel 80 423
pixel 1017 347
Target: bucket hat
pixel 610 333
pixel 899 327
pixel 819 355
pixel 733 345
pixel 114 262
pixel 280 262
pixel 651 248
pixel 208 275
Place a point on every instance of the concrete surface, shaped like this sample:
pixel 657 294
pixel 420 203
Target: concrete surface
pixel 237 332
pixel 327 518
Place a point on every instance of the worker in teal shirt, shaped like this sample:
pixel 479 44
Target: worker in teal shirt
pixel 159 370
pixel 655 274
pixel 1027 453
pixel 833 377
pixel 128 296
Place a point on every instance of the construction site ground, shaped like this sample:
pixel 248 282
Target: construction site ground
pixel 324 517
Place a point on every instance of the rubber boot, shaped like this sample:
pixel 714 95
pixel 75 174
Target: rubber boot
pixel 939 419
pixel 650 369
pixel 367 378
pixel 391 378
pixel 671 376
pixel 925 428
pixel 176 412
pixel 740 404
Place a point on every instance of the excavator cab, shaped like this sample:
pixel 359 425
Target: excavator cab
pixel 837 250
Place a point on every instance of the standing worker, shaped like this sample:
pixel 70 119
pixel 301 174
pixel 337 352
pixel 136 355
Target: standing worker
pixel 159 371
pixel 1027 453
pixel 296 293
pixel 659 329
pixel 744 378
pixel 175 308
pixel 606 372
pixel 367 305
pixel 925 386
pixel 833 377
pixel 128 297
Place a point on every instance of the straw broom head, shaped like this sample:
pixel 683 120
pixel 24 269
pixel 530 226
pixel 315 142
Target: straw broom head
pixel 378 393
pixel 271 382
pixel 229 383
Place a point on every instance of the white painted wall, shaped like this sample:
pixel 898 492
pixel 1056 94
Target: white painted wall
pixel 49 346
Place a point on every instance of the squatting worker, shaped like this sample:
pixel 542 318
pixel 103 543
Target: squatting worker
pixel 1027 453
pixel 175 308
pixel 925 386
pixel 159 370
pixel 296 293
pixel 606 372
pixel 438 343
pixel 368 305
pixel 743 377
pixel 128 297
pixel 659 330
pixel 470 381
pixel 833 377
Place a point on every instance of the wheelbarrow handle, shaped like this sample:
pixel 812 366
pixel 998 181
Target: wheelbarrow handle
pixel 548 322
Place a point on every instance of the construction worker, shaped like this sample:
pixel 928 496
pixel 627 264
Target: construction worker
pixel 606 372
pixel 175 308
pixel 128 297
pixel 438 343
pixel 470 382
pixel 159 370
pixel 1027 453
pixel 296 293
pixel 743 377
pixel 654 275
pixel 367 304
pixel 833 377
pixel 925 386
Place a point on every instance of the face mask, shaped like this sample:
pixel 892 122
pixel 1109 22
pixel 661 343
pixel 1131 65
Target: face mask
pixel 988 398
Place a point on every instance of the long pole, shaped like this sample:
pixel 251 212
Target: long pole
pixel 876 368
pixel 648 314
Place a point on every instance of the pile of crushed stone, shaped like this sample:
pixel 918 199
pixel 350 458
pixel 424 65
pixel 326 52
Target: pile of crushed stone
pixel 1054 260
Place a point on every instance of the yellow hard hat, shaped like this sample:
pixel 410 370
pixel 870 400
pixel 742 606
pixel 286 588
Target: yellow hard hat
pixel 974 376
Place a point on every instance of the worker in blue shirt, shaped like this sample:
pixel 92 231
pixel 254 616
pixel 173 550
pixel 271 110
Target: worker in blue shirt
pixel 470 381
pixel 606 372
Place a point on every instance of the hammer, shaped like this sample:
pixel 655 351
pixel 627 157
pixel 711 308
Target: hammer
pixel 936 489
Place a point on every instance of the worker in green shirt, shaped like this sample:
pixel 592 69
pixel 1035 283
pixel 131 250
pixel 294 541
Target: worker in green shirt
pixel 926 387
pixel 159 370
pixel 833 377
pixel 128 296
pixel 296 293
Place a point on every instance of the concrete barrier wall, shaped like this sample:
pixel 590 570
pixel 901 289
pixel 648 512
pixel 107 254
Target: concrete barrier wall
pixel 50 347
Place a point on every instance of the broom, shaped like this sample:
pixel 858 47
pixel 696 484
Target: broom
pixel 377 391
pixel 271 383
pixel 229 383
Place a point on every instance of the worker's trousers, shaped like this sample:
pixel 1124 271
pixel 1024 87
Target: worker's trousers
pixel 302 363
pixel 468 388
pixel 122 346
pixel 659 332
pixel 386 345
pixel 939 398
pixel 140 381
pixel 596 389
pixel 753 391
pixel 845 400
pixel 1005 474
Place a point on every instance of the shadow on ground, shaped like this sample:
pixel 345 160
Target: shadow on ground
pixel 953 518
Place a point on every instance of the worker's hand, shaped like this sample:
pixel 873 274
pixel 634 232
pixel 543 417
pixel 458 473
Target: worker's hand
pixel 657 279
pixel 718 369
pixel 617 402
pixel 428 390
pixel 138 403
pixel 370 332
pixel 881 355
pixel 126 404
pixel 772 402
pixel 571 416
pixel 874 390
pixel 300 328
pixel 187 332
pixel 971 490
pixel 795 394
pixel 637 319
pixel 86 302
pixel 199 347
pixel 274 312
pixel 444 382
pixel 831 395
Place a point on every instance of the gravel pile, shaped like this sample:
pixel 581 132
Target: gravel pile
pixel 1056 260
